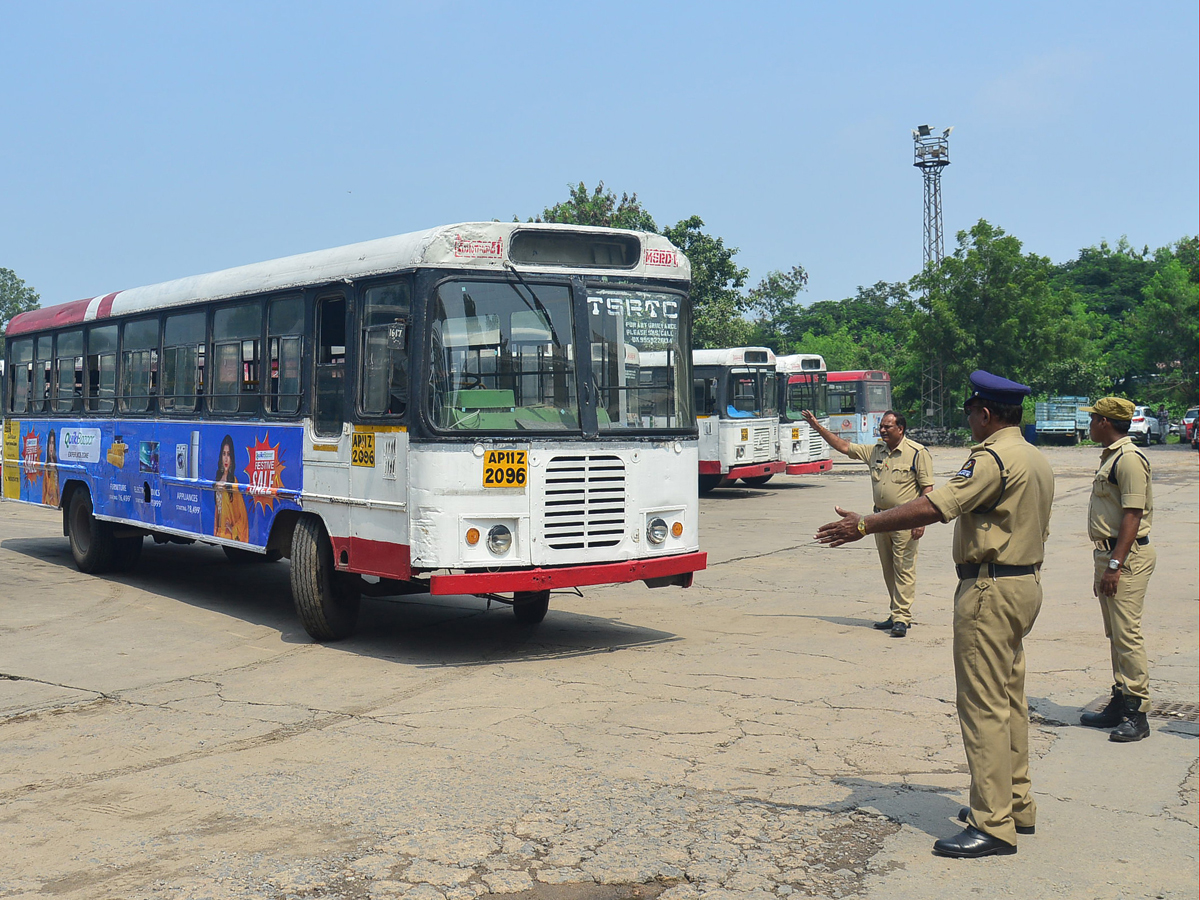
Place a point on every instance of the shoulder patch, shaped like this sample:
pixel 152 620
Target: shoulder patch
pixel 967 470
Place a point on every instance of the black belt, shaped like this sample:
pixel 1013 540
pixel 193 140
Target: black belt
pixel 1111 543
pixel 967 571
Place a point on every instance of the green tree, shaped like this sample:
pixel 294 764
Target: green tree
pixel 717 301
pixel 599 207
pixel 15 296
pixel 773 302
pixel 988 306
pixel 1161 336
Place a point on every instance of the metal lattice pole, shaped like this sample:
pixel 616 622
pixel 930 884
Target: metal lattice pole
pixel 931 154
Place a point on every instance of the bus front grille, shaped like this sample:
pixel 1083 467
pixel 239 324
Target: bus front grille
pixel 585 502
pixel 816 449
pixel 762 444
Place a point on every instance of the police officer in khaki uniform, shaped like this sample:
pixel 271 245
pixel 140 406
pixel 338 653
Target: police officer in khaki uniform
pixel 1119 514
pixel 901 470
pixel 1001 498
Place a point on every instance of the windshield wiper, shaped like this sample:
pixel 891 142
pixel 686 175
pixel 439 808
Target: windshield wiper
pixel 537 305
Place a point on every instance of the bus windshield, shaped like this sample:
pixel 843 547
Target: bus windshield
pixel 751 393
pixel 501 358
pixel 806 392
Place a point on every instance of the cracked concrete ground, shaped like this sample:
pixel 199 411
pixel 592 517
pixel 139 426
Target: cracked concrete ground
pixel 173 733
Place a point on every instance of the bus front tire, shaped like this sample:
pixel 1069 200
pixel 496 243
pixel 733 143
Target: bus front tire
pixel 708 482
pixel 758 480
pixel 326 600
pixel 530 606
pixel 92 542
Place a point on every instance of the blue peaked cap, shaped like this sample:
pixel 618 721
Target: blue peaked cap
pixel 987 386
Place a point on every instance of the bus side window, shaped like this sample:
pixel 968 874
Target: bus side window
pixel 21 362
pixel 285 340
pixel 43 366
pixel 237 333
pixel 329 413
pixel 183 355
pixel 705 395
pixel 68 372
pixel 384 360
pixel 139 365
pixel 102 368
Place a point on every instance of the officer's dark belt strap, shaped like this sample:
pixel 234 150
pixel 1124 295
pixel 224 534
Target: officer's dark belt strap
pixel 1111 543
pixel 968 571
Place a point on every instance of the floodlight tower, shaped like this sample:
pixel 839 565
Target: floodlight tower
pixel 931 154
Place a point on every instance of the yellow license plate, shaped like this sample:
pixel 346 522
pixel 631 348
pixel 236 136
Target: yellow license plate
pixel 362 449
pixel 505 468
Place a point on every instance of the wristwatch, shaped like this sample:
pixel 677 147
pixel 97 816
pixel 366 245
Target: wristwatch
pixel 862 526
pixel 1114 564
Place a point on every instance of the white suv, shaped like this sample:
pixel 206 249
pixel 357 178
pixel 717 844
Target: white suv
pixel 1145 427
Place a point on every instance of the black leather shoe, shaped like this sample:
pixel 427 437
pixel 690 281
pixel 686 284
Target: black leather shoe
pixel 1112 715
pixel 899 629
pixel 1021 829
pixel 1134 728
pixel 884 626
pixel 972 844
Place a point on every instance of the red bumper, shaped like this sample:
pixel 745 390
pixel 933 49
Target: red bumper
pixel 567 576
pixel 811 468
pixel 757 469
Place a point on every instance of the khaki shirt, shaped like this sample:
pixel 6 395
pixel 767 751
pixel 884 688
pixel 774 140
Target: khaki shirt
pixel 1132 490
pixel 897 476
pixel 1003 517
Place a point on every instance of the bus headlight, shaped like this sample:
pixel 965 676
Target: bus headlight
pixel 499 539
pixel 656 531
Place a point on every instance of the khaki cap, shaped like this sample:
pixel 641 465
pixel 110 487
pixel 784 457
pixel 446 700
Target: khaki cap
pixel 1111 408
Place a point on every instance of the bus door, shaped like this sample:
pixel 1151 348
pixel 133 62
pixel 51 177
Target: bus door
pixel 327 443
pixel 379 526
pixel 705 386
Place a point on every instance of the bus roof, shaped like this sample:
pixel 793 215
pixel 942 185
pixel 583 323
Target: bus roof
pixel 485 246
pixel 800 362
pixel 734 356
pixel 860 375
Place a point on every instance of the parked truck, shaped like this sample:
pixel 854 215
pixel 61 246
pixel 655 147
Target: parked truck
pixel 1062 417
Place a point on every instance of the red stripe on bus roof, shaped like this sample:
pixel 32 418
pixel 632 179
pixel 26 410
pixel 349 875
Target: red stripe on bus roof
pixel 860 375
pixel 56 316
pixel 105 307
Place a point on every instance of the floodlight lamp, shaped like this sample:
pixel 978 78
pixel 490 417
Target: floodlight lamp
pixel 924 130
pixel 946 133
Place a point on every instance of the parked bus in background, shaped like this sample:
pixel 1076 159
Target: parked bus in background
pixel 802 385
pixel 735 396
pixel 399 416
pixel 857 401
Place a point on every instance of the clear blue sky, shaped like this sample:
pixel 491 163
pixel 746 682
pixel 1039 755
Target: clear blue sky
pixel 145 141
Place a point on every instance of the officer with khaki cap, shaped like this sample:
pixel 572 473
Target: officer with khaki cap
pixel 1001 498
pixel 1119 514
pixel 901 470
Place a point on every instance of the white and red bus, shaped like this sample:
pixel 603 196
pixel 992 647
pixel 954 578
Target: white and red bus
pixel 857 401
pixel 402 415
pixel 737 409
pixel 802 385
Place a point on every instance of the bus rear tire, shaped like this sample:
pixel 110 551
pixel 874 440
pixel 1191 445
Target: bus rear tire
pixel 758 480
pixel 326 600
pixel 126 553
pixel 530 606
pixel 92 542
pixel 708 482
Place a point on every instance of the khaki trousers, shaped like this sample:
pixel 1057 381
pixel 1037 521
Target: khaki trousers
pixel 1122 615
pixel 991 619
pixel 898 556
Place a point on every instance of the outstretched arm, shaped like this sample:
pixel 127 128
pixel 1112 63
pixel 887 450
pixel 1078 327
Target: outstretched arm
pixel 841 445
pixel 912 514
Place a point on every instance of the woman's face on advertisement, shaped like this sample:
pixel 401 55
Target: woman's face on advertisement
pixel 226 460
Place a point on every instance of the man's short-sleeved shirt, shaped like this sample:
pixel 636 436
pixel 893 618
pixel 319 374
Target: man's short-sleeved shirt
pixel 1002 502
pixel 1122 482
pixel 897 476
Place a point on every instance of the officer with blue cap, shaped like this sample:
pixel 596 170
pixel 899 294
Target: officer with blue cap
pixel 1001 498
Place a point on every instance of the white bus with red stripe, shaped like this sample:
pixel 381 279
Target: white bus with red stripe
pixel 857 401
pixel 403 415
pixel 736 399
pixel 802 383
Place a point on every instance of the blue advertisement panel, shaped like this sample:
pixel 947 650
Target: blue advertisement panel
pixel 209 479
